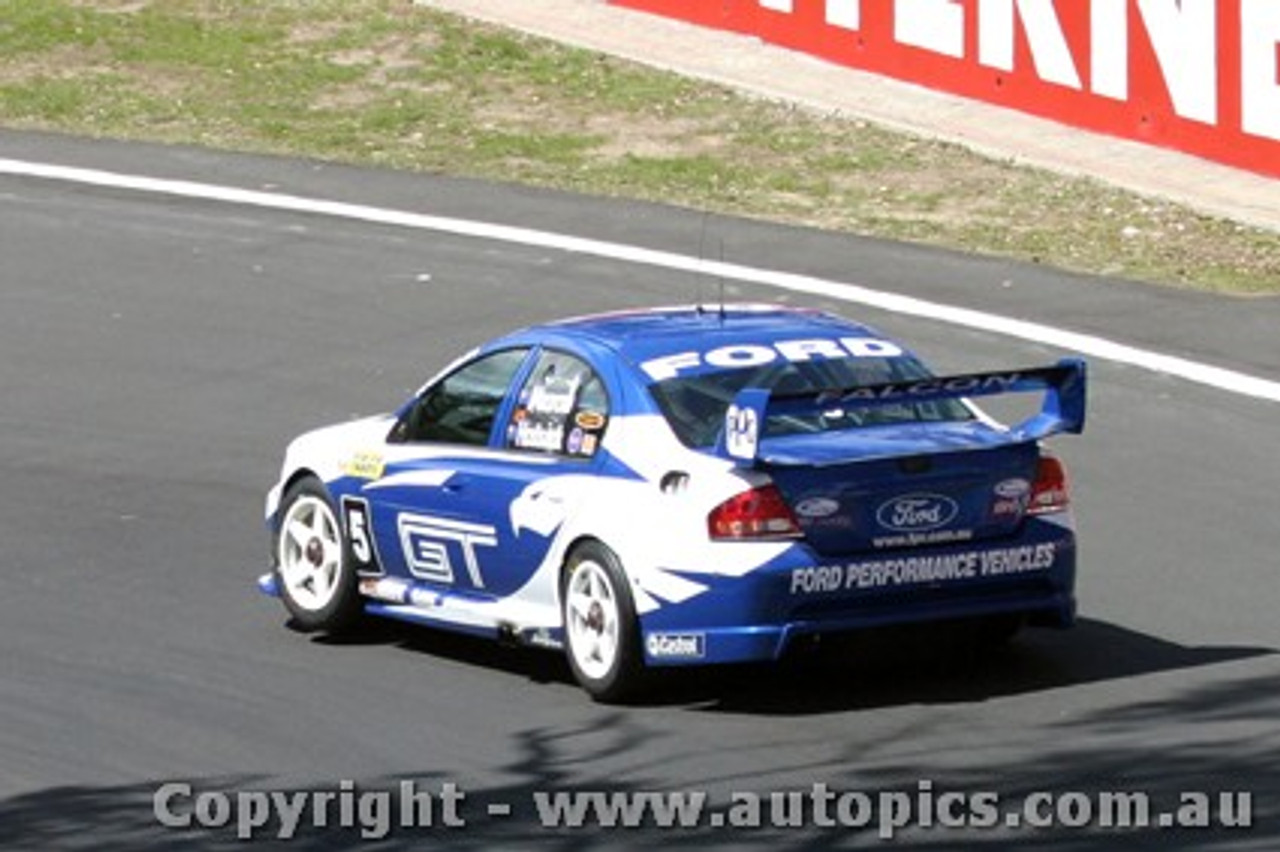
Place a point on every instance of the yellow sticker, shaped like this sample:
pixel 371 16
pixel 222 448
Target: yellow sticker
pixel 364 465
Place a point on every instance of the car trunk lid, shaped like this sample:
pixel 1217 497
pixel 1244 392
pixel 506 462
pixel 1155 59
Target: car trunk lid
pixel 908 487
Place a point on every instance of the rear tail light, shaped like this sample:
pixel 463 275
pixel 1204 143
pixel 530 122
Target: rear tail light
pixel 760 513
pixel 1050 492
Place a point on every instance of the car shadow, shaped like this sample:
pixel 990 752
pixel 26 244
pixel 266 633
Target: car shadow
pixel 935 664
pixel 945 665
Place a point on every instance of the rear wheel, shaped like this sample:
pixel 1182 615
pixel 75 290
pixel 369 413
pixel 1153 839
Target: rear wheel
pixel 601 629
pixel 316 578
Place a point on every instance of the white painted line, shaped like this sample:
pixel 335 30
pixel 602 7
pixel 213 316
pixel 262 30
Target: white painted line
pixel 1085 344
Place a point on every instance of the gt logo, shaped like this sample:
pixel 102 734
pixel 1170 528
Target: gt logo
pixel 431 545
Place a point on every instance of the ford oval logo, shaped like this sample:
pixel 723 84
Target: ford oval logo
pixel 917 513
pixel 1013 488
pixel 817 507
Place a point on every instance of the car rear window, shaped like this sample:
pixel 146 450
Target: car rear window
pixel 695 405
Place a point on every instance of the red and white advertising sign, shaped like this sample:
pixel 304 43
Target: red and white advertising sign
pixel 1201 76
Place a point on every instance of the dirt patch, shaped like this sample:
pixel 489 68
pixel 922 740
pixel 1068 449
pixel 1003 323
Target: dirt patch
pixel 112 7
pixel 389 66
pixel 60 63
pixel 386 57
pixel 645 136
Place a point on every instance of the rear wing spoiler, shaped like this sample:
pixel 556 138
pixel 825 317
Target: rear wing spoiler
pixel 1063 409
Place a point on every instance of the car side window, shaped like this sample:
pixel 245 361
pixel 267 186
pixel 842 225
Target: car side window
pixel 563 408
pixel 461 407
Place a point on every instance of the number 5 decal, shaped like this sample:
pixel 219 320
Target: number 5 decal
pixel 363 547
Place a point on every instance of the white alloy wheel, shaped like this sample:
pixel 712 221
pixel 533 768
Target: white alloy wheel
pixel 592 620
pixel 310 554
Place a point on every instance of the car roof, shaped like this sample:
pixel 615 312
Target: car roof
pixel 638 335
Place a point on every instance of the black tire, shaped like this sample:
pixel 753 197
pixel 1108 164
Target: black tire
pixel 314 570
pixel 602 633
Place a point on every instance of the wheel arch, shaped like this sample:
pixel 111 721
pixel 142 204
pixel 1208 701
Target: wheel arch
pixel 630 564
pixel 288 484
pixel 579 541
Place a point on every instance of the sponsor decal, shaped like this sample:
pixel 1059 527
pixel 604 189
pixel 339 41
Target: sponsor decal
pixel 573 444
pixel 741 432
pixel 542 638
pixel 916 539
pixel 817 507
pixel 424 598
pixel 1011 488
pixel 384 589
pixel 835 522
pixel 1198 75
pixel 987 384
pixel 554 396
pixel 917 513
pixel 364 465
pixel 923 570
pixel 533 435
pixel 592 421
pixel 1010 507
pixel 759 354
pixel 669 646
pixel 1011 498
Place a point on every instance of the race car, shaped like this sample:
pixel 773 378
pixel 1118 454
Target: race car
pixel 684 486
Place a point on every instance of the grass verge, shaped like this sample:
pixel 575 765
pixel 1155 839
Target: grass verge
pixel 382 82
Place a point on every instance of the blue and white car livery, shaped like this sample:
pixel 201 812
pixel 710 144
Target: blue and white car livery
pixel 683 486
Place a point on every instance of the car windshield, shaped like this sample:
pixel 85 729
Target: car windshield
pixel 695 405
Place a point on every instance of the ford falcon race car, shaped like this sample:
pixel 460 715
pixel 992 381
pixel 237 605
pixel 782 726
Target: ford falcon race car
pixel 684 486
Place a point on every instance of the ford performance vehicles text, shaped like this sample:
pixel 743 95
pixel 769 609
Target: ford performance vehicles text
pixel 684 486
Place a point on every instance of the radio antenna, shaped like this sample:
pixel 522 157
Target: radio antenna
pixel 698 302
pixel 720 278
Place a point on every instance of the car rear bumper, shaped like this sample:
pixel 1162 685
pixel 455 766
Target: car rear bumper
pixel 756 617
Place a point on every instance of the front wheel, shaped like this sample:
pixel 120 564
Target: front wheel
pixel 317 580
pixel 600 625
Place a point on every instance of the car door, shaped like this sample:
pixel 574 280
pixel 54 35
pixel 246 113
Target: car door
pixel 459 505
pixel 410 521
pixel 544 461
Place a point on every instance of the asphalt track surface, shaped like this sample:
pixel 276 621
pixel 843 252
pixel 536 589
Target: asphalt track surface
pixel 157 354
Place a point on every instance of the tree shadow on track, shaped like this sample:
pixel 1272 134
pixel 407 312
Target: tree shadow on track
pixel 1084 755
pixel 943 664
